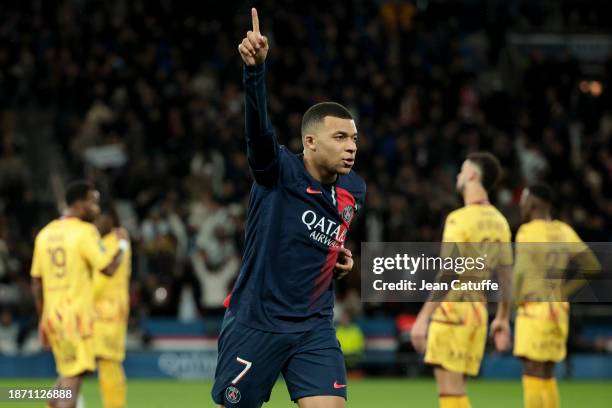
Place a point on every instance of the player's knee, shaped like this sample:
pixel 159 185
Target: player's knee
pixel 108 369
pixel 65 402
pixel 71 384
pixel 449 383
pixel 322 401
pixel 538 369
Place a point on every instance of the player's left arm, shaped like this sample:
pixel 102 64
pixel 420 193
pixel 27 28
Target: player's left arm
pixel 344 264
pixel 37 293
pixel 418 332
pixel 586 261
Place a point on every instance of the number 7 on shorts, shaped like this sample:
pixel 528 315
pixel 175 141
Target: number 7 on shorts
pixel 246 369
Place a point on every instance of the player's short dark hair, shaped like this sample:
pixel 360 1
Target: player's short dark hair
pixel 109 209
pixel 490 168
pixel 542 191
pixel 317 113
pixel 78 190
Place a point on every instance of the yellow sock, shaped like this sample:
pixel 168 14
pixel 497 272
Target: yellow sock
pixel 533 392
pixel 551 394
pixel 112 383
pixel 454 401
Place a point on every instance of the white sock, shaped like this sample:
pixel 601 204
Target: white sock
pixel 80 401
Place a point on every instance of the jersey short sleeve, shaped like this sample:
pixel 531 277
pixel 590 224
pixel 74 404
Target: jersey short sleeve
pixel 36 270
pixel 576 245
pixel 93 249
pixel 454 229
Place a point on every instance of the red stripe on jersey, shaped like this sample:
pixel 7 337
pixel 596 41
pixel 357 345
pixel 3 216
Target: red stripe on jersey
pixel 326 274
pixel 344 199
pixel 227 300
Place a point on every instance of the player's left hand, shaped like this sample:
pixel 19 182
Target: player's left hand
pixel 344 263
pixel 500 331
pixel 418 333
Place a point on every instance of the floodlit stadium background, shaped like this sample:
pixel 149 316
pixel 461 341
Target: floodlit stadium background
pixel 145 98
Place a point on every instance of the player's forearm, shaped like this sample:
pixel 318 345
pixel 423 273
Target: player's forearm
pixel 261 142
pixel 444 276
pixel 110 269
pixel 588 265
pixel 503 310
pixel 428 310
pixel 37 293
pixel 504 277
pixel 517 284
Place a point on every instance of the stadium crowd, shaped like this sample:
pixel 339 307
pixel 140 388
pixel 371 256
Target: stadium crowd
pixel 160 86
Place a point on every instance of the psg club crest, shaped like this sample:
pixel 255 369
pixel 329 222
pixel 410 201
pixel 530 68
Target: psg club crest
pixel 347 214
pixel 232 394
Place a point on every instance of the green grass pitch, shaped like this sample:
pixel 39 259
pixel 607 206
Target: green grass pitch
pixel 370 393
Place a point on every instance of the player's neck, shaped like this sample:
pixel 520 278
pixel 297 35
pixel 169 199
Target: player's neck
pixel 541 215
pixel 474 193
pixel 70 213
pixel 318 173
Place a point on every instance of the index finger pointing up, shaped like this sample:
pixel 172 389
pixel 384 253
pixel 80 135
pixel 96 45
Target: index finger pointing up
pixel 255 20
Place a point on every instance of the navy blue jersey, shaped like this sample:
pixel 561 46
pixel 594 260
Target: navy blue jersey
pixel 295 228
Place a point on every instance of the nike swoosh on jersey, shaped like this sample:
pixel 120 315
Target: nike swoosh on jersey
pixel 311 190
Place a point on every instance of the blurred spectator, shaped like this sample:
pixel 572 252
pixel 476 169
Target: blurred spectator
pixel 9 333
pixel 215 261
pixel 351 338
pixel 426 90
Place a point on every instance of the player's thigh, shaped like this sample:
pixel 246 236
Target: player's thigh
pixel 541 331
pixel 248 365
pixel 449 382
pixel 74 356
pixel 109 340
pixel 322 401
pixel 316 368
pixel 455 347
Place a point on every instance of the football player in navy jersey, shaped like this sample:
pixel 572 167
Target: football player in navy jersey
pixel 279 314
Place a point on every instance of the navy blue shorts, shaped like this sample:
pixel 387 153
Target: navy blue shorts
pixel 251 360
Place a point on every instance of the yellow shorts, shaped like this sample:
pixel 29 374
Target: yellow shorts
pixel 457 337
pixel 72 346
pixel 109 341
pixel 541 330
pixel 110 326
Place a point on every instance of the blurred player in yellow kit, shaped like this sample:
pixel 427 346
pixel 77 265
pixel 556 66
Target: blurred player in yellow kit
pixel 455 341
pixel 543 252
pixel 111 305
pixel 67 252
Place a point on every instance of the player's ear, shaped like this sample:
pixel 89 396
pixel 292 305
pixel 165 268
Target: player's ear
pixel 309 141
pixel 474 174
